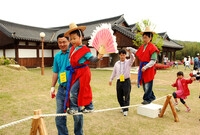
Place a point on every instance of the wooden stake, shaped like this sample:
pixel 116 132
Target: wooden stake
pixel 173 111
pixel 38 124
pixel 168 101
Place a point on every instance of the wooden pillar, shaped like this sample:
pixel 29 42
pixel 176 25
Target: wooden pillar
pixel 16 46
pixel 174 58
pixel 166 54
pixel 4 52
pixel 37 54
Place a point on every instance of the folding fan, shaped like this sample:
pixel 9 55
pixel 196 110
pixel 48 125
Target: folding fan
pixel 103 40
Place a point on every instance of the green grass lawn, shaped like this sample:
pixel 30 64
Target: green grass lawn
pixel 22 92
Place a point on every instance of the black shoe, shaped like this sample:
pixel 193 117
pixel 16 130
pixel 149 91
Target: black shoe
pixel 71 111
pixel 145 102
pixel 87 110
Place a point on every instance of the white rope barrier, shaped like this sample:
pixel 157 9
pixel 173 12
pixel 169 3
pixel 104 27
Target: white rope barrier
pixel 15 122
pixel 160 98
pixel 65 114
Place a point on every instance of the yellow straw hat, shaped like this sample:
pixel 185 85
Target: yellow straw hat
pixel 147 29
pixel 73 27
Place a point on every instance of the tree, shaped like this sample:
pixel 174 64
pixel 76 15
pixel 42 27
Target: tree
pixel 157 39
pixel 190 49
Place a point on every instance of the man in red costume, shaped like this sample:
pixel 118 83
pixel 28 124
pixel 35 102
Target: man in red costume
pixel 147 54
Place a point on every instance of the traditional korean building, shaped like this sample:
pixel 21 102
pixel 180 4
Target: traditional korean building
pixel 169 47
pixel 23 43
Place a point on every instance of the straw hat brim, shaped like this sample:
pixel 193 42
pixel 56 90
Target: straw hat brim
pixel 82 28
pixel 147 31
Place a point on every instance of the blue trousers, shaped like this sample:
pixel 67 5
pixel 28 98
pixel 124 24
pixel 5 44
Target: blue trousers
pixel 148 92
pixel 62 120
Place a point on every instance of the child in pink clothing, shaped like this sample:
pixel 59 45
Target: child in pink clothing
pixel 182 91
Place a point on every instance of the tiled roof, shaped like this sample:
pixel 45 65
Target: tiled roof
pixel 90 26
pixel 24 32
pixel 172 44
pixel 169 43
pixel 124 30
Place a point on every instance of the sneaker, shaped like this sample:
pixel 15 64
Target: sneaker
pixel 72 111
pixel 125 113
pixel 175 103
pixel 145 102
pixel 177 109
pixel 121 111
pixel 188 109
pixel 87 110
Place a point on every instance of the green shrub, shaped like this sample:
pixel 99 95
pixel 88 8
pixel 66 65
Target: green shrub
pixel 6 61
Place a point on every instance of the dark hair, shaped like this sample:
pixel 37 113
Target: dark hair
pixel 122 51
pixel 78 32
pixel 61 36
pixel 149 34
pixel 180 73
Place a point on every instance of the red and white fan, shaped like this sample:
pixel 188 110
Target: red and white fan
pixel 103 40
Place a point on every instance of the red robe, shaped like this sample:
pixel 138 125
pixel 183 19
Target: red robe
pixel 83 74
pixel 185 91
pixel 145 56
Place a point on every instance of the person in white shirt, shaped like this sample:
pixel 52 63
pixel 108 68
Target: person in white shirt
pixel 165 60
pixel 122 73
pixel 187 63
pixel 184 60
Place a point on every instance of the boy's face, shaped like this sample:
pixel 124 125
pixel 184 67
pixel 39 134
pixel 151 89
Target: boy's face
pixel 179 76
pixel 63 44
pixel 75 40
pixel 122 56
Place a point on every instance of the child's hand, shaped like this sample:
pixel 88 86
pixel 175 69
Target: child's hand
pixel 100 56
pixel 52 92
pixel 133 50
pixel 193 78
pixel 128 50
pixel 191 74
